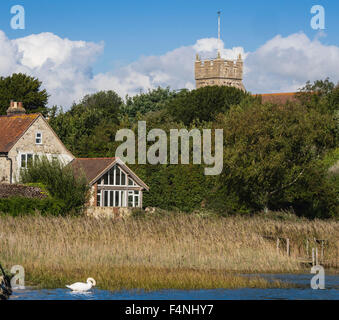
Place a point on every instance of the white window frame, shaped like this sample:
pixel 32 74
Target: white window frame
pixel 35 157
pixel 121 198
pixel 114 182
pixel 25 155
pixel 135 194
pixel 38 138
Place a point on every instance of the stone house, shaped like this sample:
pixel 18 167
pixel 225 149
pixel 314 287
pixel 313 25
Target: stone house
pixel 26 137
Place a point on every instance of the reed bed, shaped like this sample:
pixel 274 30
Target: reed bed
pixel 170 251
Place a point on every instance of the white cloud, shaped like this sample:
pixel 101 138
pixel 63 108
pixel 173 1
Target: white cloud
pixel 9 56
pixel 65 66
pixel 208 48
pixel 285 64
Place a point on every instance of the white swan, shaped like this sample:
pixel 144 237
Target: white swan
pixel 82 287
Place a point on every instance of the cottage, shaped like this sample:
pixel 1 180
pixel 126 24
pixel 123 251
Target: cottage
pixel 112 183
pixel 26 137
pixel 23 139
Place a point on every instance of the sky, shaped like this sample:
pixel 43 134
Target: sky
pixel 79 47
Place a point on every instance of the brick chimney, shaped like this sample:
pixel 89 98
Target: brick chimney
pixel 15 108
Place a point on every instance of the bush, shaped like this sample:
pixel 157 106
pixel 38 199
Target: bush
pixel 60 183
pixel 18 206
pixel 205 104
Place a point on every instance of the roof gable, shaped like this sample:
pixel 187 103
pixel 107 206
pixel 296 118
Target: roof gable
pixel 95 168
pixel 91 167
pixel 12 128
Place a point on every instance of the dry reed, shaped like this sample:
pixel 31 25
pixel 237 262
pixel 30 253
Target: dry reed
pixel 174 251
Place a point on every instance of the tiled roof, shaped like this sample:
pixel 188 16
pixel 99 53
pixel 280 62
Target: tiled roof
pixel 278 98
pixel 91 167
pixel 13 127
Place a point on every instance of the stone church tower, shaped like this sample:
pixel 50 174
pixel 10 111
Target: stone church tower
pixel 219 72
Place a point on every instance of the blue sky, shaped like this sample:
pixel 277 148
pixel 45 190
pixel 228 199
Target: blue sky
pixel 131 30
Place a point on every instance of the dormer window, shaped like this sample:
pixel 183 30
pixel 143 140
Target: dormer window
pixel 38 138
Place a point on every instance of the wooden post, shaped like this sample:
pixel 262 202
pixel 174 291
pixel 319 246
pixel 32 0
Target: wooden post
pixel 95 195
pixel 140 195
pixel 313 257
pixel 307 253
pixel 288 247
pixel 278 245
pixel 322 251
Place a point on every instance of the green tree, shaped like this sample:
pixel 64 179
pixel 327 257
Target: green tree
pixel 153 100
pixel 321 95
pixel 271 159
pixel 78 125
pixel 204 104
pixel 20 87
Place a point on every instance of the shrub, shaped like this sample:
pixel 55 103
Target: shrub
pixel 60 183
pixel 17 206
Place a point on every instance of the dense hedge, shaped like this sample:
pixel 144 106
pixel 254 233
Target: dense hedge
pixel 16 206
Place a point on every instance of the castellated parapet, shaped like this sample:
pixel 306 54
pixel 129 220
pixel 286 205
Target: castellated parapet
pixel 219 72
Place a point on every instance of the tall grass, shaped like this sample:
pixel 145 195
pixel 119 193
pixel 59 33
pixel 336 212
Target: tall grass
pixel 175 251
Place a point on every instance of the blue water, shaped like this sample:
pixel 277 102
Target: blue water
pixel 302 292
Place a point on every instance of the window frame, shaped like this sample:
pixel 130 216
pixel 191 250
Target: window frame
pixel 27 156
pixel 38 138
pixel 135 194
pixel 111 198
pixel 111 174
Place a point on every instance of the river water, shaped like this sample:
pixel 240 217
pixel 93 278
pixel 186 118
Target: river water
pixel 303 291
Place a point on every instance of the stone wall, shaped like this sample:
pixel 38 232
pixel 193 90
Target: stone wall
pixel 219 72
pixel 5 165
pixel 92 199
pixel 107 212
pixel 17 190
pixel 51 146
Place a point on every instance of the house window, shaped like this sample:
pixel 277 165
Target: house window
pixel 117 176
pixel 131 182
pixel 114 177
pixel 26 160
pixel 38 138
pixel 133 199
pixel 108 196
pixel 111 198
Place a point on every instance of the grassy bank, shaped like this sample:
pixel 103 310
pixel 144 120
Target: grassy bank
pixel 174 251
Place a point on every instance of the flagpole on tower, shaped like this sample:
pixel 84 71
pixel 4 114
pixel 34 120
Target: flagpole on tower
pixel 219 13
